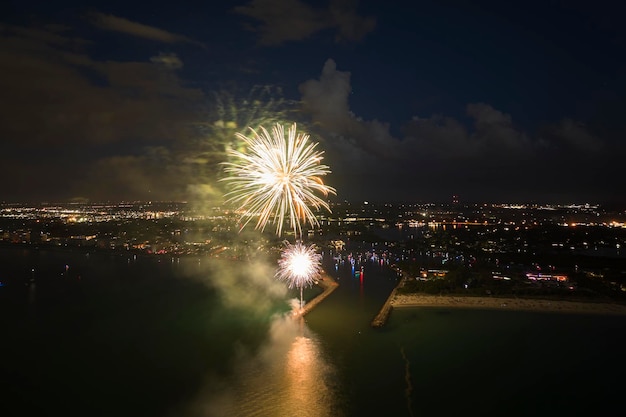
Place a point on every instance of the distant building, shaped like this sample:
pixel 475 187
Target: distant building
pixel 547 277
pixel 430 274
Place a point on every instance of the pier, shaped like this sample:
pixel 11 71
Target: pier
pixel 328 285
pixel 381 318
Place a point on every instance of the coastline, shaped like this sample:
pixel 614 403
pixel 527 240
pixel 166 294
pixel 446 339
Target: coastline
pixel 503 303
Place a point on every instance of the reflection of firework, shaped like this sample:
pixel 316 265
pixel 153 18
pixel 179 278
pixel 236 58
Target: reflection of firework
pixel 299 266
pixel 277 177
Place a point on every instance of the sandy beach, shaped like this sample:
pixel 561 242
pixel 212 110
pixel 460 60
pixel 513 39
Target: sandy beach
pixel 498 303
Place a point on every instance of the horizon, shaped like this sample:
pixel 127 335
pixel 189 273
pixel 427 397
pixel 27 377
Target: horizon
pixel 451 202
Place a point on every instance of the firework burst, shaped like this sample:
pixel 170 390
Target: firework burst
pixel 277 178
pixel 299 266
pixel 226 115
pixel 230 114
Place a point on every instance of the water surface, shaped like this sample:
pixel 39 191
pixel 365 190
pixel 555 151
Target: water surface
pixel 111 334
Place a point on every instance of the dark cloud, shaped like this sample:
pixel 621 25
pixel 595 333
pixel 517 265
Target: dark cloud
pixel 61 111
pixel 350 26
pixel 77 120
pixel 119 24
pixel 494 130
pixel 294 20
pixel 282 21
pixel 439 137
pixel 570 136
pixel 56 95
pixel 326 101
pixel 492 135
pixel 170 61
pixel 439 155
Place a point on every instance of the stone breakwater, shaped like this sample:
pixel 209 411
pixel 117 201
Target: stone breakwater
pixel 328 285
pixel 383 314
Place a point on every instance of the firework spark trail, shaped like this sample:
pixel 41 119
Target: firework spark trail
pixel 407 378
pixel 299 266
pixel 277 177
pixel 230 114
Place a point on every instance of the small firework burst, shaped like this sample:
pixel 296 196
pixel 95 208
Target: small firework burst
pixel 299 266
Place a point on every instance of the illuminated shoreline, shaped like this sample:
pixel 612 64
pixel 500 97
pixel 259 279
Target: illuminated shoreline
pixel 503 303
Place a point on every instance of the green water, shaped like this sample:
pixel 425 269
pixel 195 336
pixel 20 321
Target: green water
pixel 114 335
pixel 449 362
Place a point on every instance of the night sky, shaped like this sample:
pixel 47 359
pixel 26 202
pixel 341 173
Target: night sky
pixel 487 100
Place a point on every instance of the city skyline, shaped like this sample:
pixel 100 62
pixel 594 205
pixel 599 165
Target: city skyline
pixel 491 102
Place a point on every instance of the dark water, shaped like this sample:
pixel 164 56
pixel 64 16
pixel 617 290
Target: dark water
pixel 115 335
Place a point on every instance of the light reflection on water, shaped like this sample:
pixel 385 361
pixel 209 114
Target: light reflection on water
pixel 287 376
pixel 135 339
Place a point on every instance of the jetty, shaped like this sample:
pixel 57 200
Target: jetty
pixel 328 285
pixel 381 318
